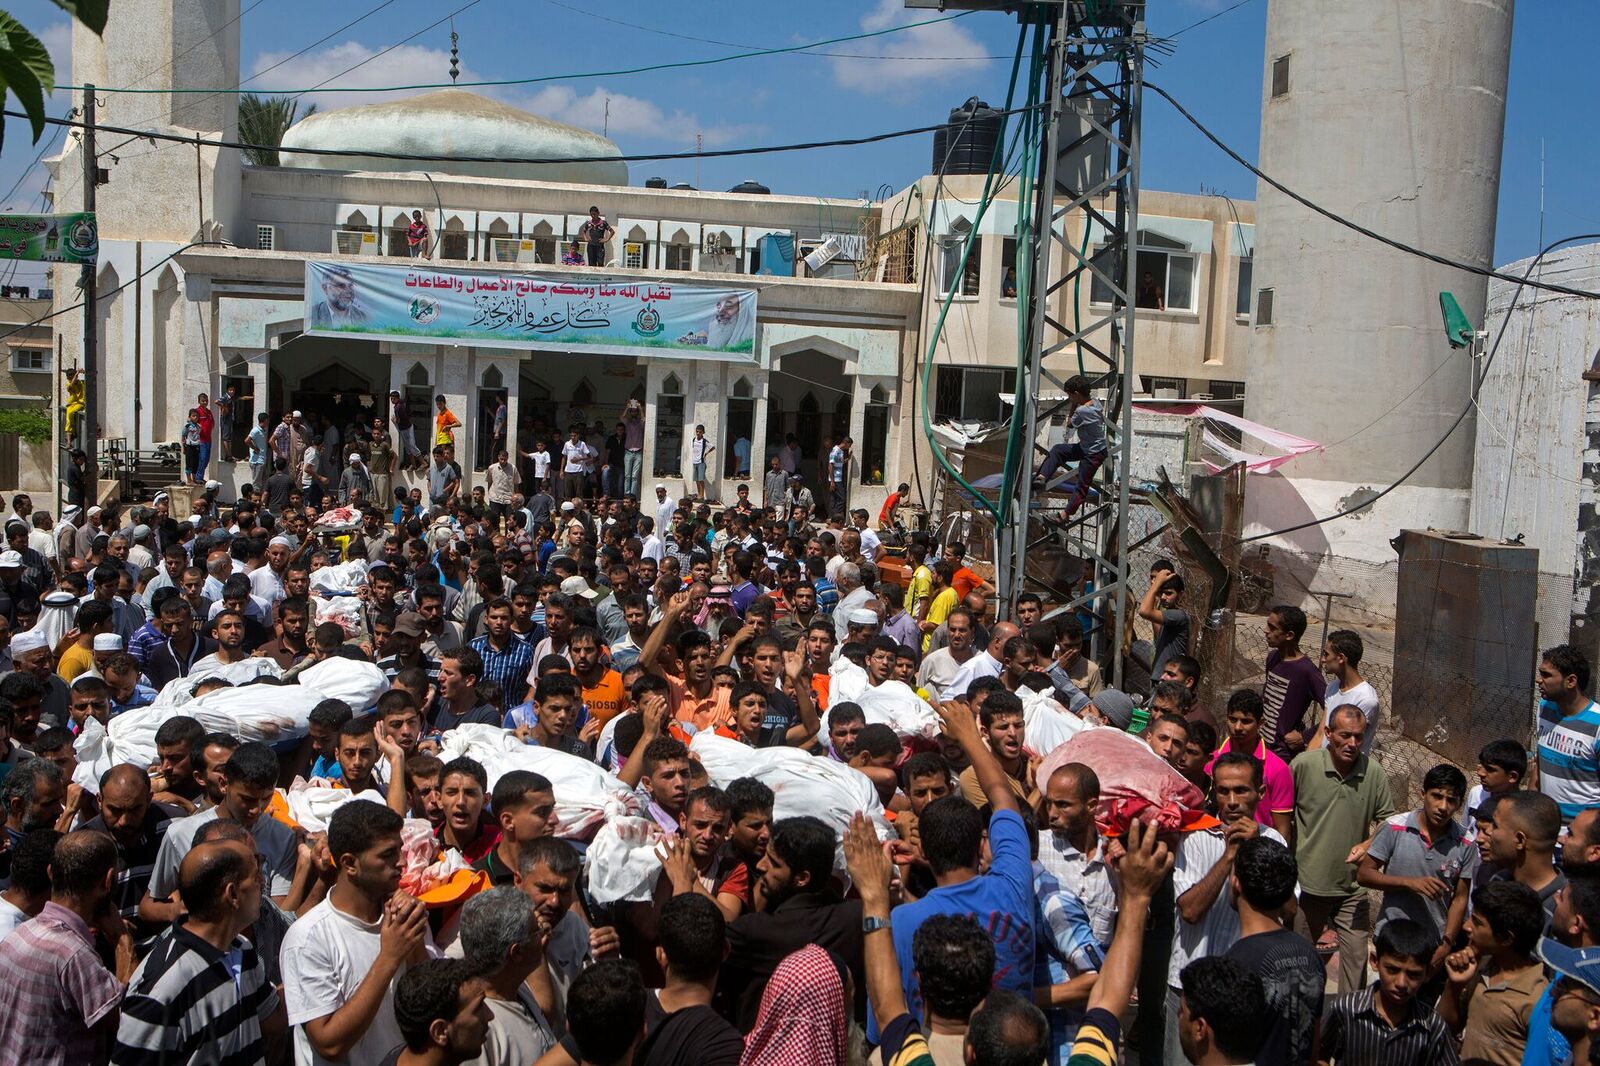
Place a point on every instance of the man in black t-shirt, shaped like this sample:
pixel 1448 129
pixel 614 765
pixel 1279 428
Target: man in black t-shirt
pixel 1291 971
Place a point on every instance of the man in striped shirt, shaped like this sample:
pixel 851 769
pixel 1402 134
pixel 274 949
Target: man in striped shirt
pixel 202 995
pixel 1569 732
pixel 58 998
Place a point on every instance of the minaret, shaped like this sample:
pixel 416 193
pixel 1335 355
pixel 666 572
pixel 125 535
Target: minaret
pixel 156 191
pixel 1390 113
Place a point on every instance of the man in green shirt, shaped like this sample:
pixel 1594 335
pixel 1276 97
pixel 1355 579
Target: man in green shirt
pixel 1340 794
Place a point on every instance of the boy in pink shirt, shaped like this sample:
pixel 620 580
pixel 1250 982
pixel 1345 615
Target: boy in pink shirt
pixel 1276 808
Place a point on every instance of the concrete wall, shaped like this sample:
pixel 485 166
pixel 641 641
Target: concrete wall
pixel 1539 429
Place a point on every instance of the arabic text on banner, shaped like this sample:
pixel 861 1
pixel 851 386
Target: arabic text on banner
pixel 547 312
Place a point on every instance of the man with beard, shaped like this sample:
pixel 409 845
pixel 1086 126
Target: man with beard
pixel 137 826
pixel 801 907
pixel 549 876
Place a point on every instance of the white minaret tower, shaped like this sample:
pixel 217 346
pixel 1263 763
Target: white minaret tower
pixel 157 192
pixel 1390 113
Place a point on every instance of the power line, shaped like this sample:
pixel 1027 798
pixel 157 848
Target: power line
pixel 359 153
pixel 320 40
pixel 738 44
pixel 213 93
pixel 392 47
pixel 1523 282
pixel 169 63
pixel 1201 22
pixel 1332 216
pixel 677 65
pixel 112 292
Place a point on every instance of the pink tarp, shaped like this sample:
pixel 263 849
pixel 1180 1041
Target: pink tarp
pixel 1287 445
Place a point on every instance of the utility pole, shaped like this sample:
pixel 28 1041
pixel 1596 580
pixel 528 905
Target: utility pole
pixel 91 337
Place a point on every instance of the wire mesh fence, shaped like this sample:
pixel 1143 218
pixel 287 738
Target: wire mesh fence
pixel 1429 713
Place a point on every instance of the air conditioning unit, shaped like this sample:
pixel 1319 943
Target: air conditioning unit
pixel 512 250
pixel 354 242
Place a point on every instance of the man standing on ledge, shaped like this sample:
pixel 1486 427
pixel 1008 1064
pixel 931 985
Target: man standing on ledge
pixel 596 233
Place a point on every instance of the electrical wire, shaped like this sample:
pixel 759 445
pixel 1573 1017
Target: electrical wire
pixel 402 41
pixel 1333 216
pixel 1522 282
pixel 676 65
pixel 48 144
pixel 1197 24
pixel 736 44
pixel 112 292
pixel 363 153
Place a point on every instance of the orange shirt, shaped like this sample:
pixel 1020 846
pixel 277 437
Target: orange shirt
pixel 820 685
pixel 965 580
pixel 605 699
pixel 703 714
pixel 444 425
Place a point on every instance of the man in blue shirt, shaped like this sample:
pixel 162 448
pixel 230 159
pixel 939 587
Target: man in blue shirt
pixel 1576 923
pixel 1002 900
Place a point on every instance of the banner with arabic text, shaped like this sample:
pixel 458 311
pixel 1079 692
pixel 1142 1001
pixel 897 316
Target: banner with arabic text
pixel 512 310
pixel 50 238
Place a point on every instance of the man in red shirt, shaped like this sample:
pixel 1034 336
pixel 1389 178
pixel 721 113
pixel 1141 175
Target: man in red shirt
pixel 417 236
pixel 206 423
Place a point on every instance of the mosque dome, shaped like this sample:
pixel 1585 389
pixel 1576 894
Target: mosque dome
pixel 454 122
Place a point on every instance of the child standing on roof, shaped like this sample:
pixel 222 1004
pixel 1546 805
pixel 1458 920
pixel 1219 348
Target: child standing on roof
pixel 1089 451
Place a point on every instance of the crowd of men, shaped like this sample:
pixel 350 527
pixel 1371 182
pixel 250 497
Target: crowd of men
pixel 172 913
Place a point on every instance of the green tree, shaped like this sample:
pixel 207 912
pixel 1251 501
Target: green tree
pixel 263 120
pixel 25 68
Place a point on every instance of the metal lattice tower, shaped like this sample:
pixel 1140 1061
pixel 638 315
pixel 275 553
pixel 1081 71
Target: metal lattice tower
pixel 1089 165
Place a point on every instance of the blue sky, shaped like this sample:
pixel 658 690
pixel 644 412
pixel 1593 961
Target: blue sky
pixel 1216 70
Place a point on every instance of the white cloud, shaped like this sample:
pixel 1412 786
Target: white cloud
pixel 57 39
pixel 964 52
pixel 629 116
pixel 405 65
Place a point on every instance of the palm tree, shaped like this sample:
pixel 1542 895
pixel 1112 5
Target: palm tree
pixel 263 120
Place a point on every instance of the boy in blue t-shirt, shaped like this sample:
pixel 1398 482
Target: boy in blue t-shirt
pixel 1001 900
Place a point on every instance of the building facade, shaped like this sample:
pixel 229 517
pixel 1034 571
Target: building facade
pixel 204 289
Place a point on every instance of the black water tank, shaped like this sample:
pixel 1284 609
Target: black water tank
pixel 751 188
pixel 683 185
pixel 968 140
pixel 655 183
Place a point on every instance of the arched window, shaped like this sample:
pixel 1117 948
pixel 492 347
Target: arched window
pixel 808 426
pixel 874 450
pixel 841 416
pixel 739 430
pixel 419 394
pixel 668 460
pixel 493 379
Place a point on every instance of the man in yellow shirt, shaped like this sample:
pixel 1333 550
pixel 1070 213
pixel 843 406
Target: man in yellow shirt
pixel 93 618
pixel 921 585
pixel 942 602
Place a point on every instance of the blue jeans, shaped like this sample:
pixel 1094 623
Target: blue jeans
pixel 633 471
pixel 205 458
